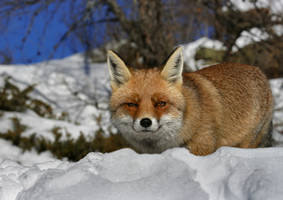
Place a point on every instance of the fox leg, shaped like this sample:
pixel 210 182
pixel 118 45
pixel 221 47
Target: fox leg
pixel 259 138
pixel 202 144
pixel 264 138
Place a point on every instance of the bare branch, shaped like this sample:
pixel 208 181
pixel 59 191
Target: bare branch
pixel 115 8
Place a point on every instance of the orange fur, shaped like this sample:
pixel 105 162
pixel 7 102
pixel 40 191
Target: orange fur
pixel 222 105
pixel 234 104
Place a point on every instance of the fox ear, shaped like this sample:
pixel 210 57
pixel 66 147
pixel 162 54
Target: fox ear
pixel 119 72
pixel 172 71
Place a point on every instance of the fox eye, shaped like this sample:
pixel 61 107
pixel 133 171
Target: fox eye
pixel 132 104
pixel 160 104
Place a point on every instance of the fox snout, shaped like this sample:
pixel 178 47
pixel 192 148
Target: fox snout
pixel 146 124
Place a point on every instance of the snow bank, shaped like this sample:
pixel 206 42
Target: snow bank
pixel 229 173
pixel 42 127
pixel 15 154
pixel 190 50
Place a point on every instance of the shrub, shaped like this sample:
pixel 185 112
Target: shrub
pixel 70 148
pixel 13 98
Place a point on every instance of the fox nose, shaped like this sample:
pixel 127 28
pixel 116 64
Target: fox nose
pixel 145 122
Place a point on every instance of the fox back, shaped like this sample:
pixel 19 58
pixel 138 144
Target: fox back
pixel 222 105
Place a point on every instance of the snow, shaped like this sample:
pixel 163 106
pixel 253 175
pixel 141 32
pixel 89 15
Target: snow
pixel 28 158
pixel 57 81
pixel 275 6
pixel 249 37
pixel 93 178
pixel 43 127
pixel 255 34
pixel 229 173
pixel 190 50
pixel 277 91
pixel 64 85
pixel 232 173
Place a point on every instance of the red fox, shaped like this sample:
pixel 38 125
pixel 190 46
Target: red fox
pixel 221 105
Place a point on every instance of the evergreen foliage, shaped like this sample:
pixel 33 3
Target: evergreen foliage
pixel 70 148
pixel 12 98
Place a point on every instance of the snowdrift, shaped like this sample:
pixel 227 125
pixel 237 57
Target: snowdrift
pixel 176 174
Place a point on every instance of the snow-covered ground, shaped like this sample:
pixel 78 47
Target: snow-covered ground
pixel 230 173
pixel 176 174
pixel 64 85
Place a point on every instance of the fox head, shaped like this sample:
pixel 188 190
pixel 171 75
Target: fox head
pixel 147 105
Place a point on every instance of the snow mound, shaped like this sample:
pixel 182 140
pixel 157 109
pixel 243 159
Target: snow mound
pixel 229 173
pixel 119 175
pixel 27 158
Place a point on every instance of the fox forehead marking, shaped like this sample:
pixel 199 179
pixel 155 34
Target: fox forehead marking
pixel 132 98
pixel 153 97
pixel 141 85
